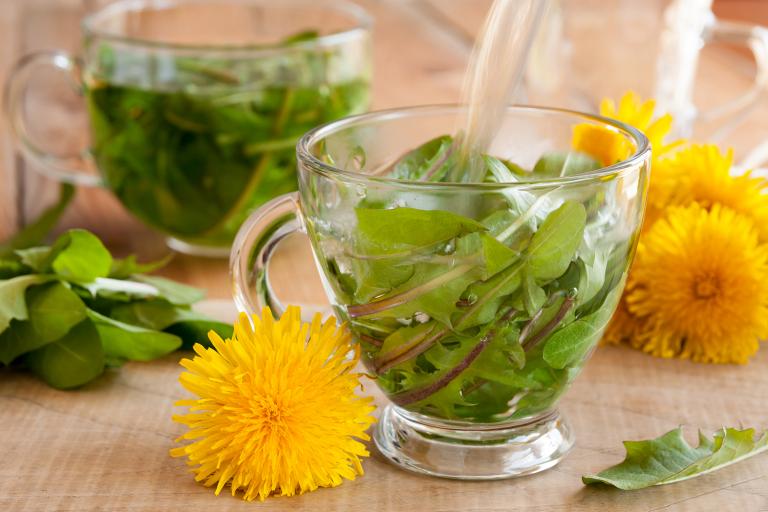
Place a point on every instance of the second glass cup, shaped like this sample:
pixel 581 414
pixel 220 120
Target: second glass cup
pixel 195 106
pixel 475 304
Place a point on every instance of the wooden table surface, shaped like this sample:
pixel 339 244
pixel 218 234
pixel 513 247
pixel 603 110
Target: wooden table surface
pixel 105 447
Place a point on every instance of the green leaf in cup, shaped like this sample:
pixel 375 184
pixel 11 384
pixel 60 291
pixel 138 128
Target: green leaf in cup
pixel 483 315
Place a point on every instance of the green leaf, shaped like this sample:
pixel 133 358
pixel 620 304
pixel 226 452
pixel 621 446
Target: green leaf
pixel 554 244
pixel 13 304
pixel 669 458
pixel 568 163
pixel 534 296
pixel 70 361
pixel 35 233
pixel 18 339
pixel 496 255
pixel 193 331
pixel 485 297
pixel 502 359
pixel 592 275
pixel 388 232
pixel 160 315
pixel 376 277
pixel 78 255
pixel 126 341
pixel 152 314
pixel 406 338
pixel 429 162
pixel 301 37
pixel 435 288
pixel 53 309
pixel 433 291
pixel 173 292
pixel 36 258
pixel 11 267
pixel 126 267
pixel 123 290
pixel 570 345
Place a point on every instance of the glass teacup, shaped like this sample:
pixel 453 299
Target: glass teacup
pixel 475 304
pixel 195 107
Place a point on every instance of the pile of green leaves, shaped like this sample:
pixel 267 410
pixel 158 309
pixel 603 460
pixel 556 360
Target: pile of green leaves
pixel 488 315
pixel 193 151
pixel 669 459
pixel 70 309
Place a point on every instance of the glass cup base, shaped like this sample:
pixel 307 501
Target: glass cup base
pixel 481 453
pixel 207 251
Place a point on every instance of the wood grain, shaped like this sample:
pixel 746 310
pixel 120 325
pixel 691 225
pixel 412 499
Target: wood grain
pixel 105 447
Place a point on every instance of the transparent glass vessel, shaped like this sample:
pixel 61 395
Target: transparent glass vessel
pixel 475 305
pixel 195 106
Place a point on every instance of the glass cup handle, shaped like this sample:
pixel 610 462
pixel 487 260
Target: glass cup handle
pixel 254 244
pixel 755 38
pixel 68 169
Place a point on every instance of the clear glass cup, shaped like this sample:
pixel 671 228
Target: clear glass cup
pixel 195 107
pixel 475 304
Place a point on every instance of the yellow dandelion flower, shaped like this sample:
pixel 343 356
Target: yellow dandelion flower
pixel 640 114
pixel 277 411
pixel 606 145
pixel 699 282
pixel 609 146
pixel 702 174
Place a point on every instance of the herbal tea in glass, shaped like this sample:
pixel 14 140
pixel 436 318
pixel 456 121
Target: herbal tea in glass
pixel 475 303
pixel 195 107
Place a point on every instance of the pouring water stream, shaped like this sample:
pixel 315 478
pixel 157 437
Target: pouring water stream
pixel 494 73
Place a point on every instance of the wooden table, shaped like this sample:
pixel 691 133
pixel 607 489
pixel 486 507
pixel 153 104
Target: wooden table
pixel 105 447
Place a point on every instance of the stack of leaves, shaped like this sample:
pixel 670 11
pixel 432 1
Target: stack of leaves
pixel 69 310
pixel 698 288
pixel 483 309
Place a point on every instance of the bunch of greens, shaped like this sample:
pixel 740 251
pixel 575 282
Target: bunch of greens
pixel 486 316
pixel 193 154
pixel 69 310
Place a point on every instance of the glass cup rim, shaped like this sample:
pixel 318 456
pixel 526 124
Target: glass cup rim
pixel 362 23
pixel 309 139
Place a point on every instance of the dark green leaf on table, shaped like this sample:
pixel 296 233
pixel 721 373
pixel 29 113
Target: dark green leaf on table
pixel 172 291
pixel 128 266
pixel 36 258
pixel 53 309
pixel 71 361
pixel 79 256
pixel 126 341
pixel 13 304
pixel 669 458
pixel 193 331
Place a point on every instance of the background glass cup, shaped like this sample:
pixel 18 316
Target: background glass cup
pixel 587 50
pixel 467 403
pixel 195 107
